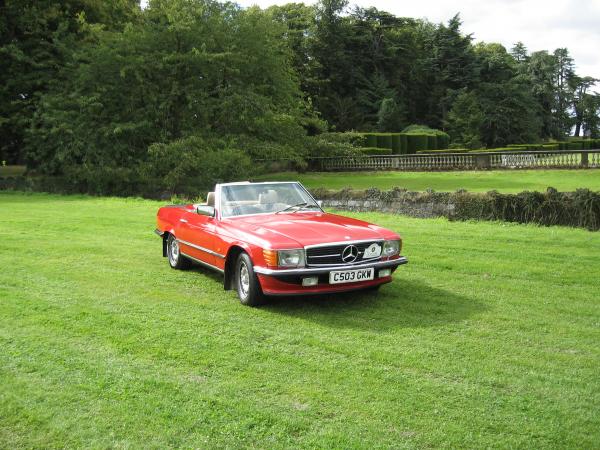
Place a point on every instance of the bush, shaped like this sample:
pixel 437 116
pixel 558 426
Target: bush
pixel 384 140
pixel 396 143
pixel 349 138
pixel 453 150
pixel 376 151
pixel 432 142
pixel 577 145
pixel 404 143
pixel 416 142
pixel 370 140
pixel 193 164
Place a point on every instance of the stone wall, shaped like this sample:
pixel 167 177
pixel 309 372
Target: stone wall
pixel 398 201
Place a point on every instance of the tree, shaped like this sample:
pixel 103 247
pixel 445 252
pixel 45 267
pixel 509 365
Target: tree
pixel 519 53
pixel 453 67
pixel 37 39
pixel 541 70
pixel 564 72
pixel 465 121
pixel 584 104
pixel 188 68
pixel 391 117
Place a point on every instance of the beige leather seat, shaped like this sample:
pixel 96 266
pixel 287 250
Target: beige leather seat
pixel 210 199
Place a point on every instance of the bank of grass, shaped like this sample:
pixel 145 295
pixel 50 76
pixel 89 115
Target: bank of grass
pixel 475 181
pixel 488 338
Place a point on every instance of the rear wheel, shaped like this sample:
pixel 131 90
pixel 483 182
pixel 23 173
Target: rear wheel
pixel 176 259
pixel 248 287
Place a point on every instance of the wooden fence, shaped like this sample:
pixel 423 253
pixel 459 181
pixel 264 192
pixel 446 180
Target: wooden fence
pixel 539 159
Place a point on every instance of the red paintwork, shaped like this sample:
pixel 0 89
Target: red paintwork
pixel 268 231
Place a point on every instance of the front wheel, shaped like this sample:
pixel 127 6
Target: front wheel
pixel 176 259
pixel 248 287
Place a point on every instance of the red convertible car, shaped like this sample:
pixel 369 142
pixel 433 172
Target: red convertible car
pixel 274 239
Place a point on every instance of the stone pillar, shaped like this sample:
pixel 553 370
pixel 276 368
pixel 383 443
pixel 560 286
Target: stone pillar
pixel 482 161
pixel 584 159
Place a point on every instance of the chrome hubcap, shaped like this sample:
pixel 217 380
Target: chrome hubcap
pixel 244 279
pixel 173 252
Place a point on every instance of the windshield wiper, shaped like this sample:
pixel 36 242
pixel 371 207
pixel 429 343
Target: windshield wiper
pixel 297 205
pixel 308 205
pixel 300 207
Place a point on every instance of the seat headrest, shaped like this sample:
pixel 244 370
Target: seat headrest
pixel 210 199
pixel 268 198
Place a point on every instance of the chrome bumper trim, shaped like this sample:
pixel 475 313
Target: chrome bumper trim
pixel 202 263
pixel 158 232
pixel 315 271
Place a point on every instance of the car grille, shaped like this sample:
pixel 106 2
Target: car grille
pixel 331 255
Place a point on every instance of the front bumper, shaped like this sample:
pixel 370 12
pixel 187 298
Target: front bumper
pixel 289 281
pixel 392 263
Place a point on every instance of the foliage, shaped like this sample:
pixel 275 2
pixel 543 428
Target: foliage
pixel 85 82
pixel 194 161
pixel 390 116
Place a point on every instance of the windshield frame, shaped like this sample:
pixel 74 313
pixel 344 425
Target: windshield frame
pixel 219 198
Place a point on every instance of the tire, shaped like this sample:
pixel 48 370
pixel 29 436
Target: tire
pixel 176 259
pixel 246 282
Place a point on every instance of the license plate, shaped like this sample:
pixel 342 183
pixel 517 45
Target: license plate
pixel 351 276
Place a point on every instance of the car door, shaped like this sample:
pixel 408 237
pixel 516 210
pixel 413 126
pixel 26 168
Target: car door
pixel 196 235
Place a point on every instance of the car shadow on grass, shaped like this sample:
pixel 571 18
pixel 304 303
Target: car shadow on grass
pixel 402 304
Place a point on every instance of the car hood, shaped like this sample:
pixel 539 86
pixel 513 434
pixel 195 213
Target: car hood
pixel 309 228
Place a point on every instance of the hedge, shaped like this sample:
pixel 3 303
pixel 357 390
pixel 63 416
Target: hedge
pixel 404 143
pixel 384 141
pixel 577 209
pixel 452 150
pixel 376 151
pixel 396 144
pixel 409 142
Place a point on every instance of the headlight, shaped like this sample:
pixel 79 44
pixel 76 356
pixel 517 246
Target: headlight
pixel 290 258
pixel 391 248
pixel 284 258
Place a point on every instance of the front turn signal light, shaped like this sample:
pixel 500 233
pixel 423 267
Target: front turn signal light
pixel 270 257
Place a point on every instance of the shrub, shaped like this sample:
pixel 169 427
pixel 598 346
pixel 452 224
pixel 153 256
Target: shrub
pixel 194 164
pixel 416 142
pixel 349 138
pixel 370 140
pixel 404 143
pixel 376 151
pixel 453 150
pixel 384 140
pixel 578 145
pixel 396 144
pixel 432 142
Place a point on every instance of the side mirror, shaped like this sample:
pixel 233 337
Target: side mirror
pixel 205 210
pixel 320 203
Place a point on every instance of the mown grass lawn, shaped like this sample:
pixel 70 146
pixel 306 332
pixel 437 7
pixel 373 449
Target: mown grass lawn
pixel 488 338
pixel 474 181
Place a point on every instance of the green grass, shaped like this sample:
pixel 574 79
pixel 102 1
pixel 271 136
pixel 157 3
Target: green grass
pixel 488 338
pixel 474 181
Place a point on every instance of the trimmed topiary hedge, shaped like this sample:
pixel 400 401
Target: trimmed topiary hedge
pixel 384 140
pixel 376 151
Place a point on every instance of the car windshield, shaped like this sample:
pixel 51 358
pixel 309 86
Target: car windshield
pixel 262 198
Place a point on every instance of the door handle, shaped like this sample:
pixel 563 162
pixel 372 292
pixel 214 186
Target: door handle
pixel 183 220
